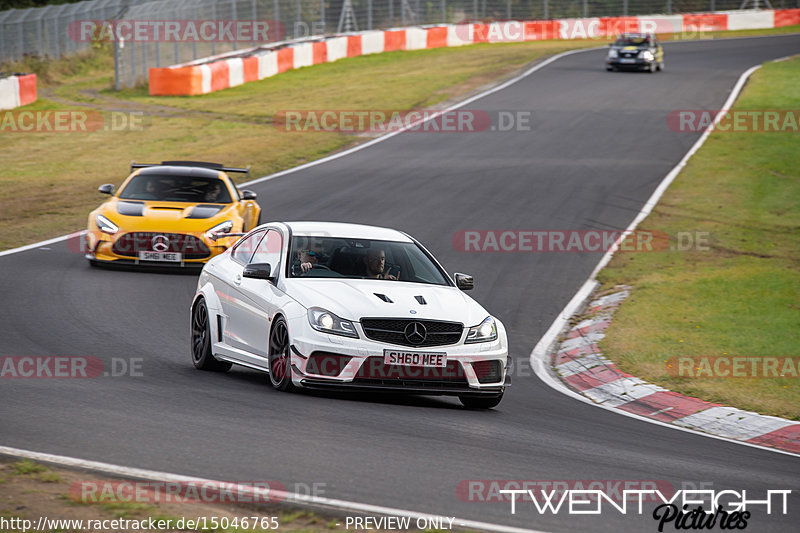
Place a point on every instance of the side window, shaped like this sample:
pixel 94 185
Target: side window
pixel 245 248
pixel 269 250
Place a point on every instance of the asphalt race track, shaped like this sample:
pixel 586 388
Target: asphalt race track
pixel 598 147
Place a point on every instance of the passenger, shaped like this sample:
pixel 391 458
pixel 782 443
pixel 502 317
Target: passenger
pixel 375 263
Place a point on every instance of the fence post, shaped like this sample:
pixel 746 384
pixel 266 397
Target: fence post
pixel 546 17
pixel 322 15
pixel 214 18
pixel 369 14
pixel 585 9
pixel 116 63
pixel 299 17
pixel 235 17
pixel 391 13
pixel 444 11
pixel 624 8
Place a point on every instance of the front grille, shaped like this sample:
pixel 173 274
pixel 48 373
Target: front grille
pixel 488 371
pixel 374 371
pixel 392 331
pixel 130 244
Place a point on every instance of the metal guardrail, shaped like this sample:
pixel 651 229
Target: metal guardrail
pixel 49 32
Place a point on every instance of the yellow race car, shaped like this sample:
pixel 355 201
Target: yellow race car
pixel 170 214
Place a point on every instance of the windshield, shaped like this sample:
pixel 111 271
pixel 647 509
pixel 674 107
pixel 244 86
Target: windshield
pixel 333 257
pixel 629 40
pixel 167 188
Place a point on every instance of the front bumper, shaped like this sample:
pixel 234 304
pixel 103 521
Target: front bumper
pixel 358 364
pixel 105 249
pixel 637 63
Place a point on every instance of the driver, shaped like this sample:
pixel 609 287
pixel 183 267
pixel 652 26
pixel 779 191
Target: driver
pixel 309 257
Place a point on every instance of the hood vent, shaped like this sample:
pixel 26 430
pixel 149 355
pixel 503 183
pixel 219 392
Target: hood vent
pixel 205 211
pixel 130 209
pixel 384 298
pixel 421 300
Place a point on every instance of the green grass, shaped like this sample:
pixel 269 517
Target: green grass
pixel 741 295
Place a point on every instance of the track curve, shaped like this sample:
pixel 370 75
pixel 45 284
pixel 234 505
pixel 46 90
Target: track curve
pixel 574 170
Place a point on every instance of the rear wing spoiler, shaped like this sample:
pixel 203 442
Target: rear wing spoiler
pixel 201 164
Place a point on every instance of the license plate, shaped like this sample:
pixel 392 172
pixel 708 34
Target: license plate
pixel 406 358
pixel 626 60
pixel 172 257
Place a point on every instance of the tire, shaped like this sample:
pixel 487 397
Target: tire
pixel 610 69
pixel 652 68
pixel 200 340
pixel 480 402
pixel 280 356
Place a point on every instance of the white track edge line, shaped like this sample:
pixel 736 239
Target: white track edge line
pixel 538 357
pixel 294 498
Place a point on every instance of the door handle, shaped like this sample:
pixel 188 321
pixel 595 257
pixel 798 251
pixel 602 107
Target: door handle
pixel 238 279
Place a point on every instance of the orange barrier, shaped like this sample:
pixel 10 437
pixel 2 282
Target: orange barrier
pixel 353 45
pixel 176 81
pixel 27 89
pixel 285 59
pixel 250 68
pixel 786 17
pixel 320 52
pixel 705 22
pixel 437 37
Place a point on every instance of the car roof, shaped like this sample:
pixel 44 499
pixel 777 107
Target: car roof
pixel 169 170
pixel 345 230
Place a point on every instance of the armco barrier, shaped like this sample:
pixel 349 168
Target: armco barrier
pixel 220 72
pixel 17 90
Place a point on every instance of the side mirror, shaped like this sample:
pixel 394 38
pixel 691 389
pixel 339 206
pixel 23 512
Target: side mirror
pixel 258 271
pixel 248 195
pixel 108 188
pixel 464 281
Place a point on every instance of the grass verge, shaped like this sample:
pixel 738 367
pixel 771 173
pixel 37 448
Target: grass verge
pixel 738 293
pixel 30 491
pixel 48 184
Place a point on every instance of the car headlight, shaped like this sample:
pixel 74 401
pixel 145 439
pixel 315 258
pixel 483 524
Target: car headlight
pixel 486 331
pixel 648 55
pixel 105 225
pixel 326 322
pixel 612 54
pixel 224 227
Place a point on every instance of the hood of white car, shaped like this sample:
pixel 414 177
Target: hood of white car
pixel 354 299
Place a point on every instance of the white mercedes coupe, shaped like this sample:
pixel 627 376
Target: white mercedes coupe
pixel 325 305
